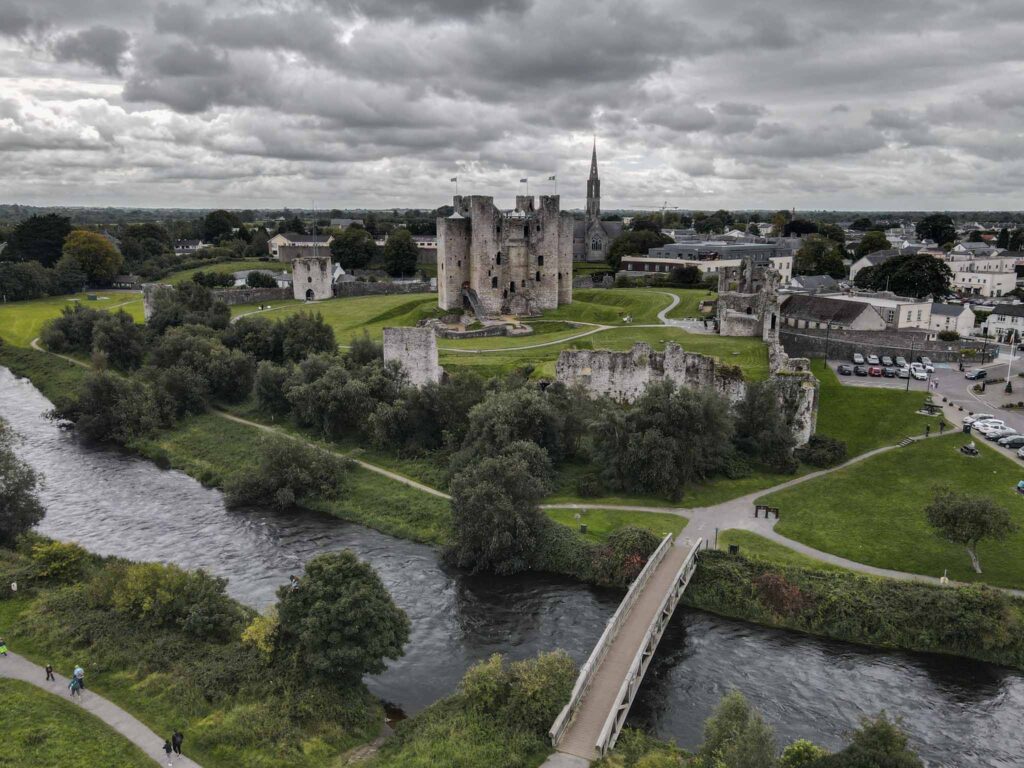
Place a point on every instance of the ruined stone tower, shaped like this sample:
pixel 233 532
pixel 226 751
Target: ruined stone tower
pixel 495 263
pixel 312 278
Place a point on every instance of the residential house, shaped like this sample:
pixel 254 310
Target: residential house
pixel 872 260
pixel 983 275
pixel 187 247
pixel 800 311
pixel 134 282
pixel 283 279
pixel 976 249
pixel 345 223
pixel 291 245
pixel 952 317
pixel 898 312
pixel 813 284
pixel 1006 323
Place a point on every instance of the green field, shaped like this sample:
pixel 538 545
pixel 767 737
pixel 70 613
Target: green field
pixel 873 511
pixel 867 417
pixel 22 321
pixel 602 522
pixel 44 730
pixel 753 545
pixel 689 302
pixel 221 267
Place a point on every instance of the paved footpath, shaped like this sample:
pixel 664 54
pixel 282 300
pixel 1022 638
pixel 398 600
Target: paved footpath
pixel 17 667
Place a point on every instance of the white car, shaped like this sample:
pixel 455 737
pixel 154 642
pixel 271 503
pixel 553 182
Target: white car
pixel 989 426
pixel 1020 453
pixel 873 360
pixel 927 363
pixel 918 373
pixel 858 358
pixel 978 417
pixel 995 434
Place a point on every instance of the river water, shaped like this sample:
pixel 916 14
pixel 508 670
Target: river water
pixel 958 713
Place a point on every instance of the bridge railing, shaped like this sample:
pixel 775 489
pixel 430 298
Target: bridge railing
pixel 611 629
pixel 635 676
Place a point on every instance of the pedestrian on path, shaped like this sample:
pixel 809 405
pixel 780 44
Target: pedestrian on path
pixel 75 686
pixel 176 738
pixel 49 673
pixel 927 430
pixel 79 675
pixel 3 648
pixel 942 427
pixel 167 750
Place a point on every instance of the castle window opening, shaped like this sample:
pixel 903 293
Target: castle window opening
pixel 512 287
pixel 540 260
pixel 749 311
pixel 309 279
pixel 537 278
pixel 494 282
pixel 595 244
pixel 499 257
pixel 526 231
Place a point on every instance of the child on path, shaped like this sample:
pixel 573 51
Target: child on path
pixel 3 648
pixel 75 686
pixel 167 750
pixel 49 673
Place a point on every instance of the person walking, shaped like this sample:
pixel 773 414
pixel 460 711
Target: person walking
pixel 49 673
pixel 167 750
pixel 75 686
pixel 79 675
pixel 3 647
pixel 942 427
pixel 927 430
pixel 176 738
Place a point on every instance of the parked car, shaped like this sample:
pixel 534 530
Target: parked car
pixel 998 432
pixel 977 373
pixel 926 363
pixel 886 360
pixel 889 372
pixel 858 358
pixel 918 373
pixel 903 372
pixel 1020 453
pixel 978 417
pixel 875 370
pixel 844 370
pixel 860 370
pixel 872 359
pixel 984 427
pixel 1012 441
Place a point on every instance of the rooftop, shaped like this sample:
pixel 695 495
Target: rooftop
pixel 820 309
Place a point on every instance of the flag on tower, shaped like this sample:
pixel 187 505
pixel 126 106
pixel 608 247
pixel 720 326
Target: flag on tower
pixel 454 178
pixel 551 178
pixel 522 181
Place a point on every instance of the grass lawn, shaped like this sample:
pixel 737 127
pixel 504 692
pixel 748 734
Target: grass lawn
pixel 585 268
pixel 44 730
pixel 689 302
pixel 754 545
pixel 873 512
pixel 210 447
pixel 602 522
pixel 51 375
pixel 609 305
pixel 21 321
pixel 221 267
pixel 867 417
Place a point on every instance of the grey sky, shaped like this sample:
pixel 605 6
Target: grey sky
pixel 701 103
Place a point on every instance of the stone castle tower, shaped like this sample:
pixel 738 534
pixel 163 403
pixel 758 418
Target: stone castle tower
pixel 312 278
pixel 518 262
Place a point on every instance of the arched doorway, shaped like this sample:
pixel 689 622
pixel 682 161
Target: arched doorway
pixel 309 294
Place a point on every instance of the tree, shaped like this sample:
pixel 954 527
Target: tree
pixel 799 227
pixel 25 280
pixel 20 509
pixel 736 736
pixel 143 242
pixel 761 428
pixel 187 304
pixel 819 256
pixel 968 520
pixel 289 472
pixel 93 254
pixel 218 225
pixel 917 275
pixel 400 253
pixel 213 279
pixel 634 243
pixel 1003 239
pixel 862 224
pixel 878 743
pixel 117 337
pixel 496 519
pixel 304 334
pixel 1016 240
pixel 800 754
pixel 338 622
pixel 40 238
pixel 109 408
pixel 833 232
pixel 779 220
pixel 975 237
pixel 871 242
pixel 354 248
pixel 937 227
pixel 259 279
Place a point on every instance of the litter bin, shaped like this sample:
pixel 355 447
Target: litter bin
pixel 734 549
pixel 583 527
pixel 967 429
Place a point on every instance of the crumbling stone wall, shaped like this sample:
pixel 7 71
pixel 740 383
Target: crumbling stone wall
pixel 748 299
pixel 232 296
pixel 624 376
pixel 149 292
pixel 416 350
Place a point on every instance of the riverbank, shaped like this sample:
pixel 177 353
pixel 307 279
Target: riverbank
pixel 166 645
pixel 974 622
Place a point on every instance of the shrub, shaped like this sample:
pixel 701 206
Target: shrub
pixel 822 451
pixel 109 408
pixel 289 472
pixel 486 685
pixel 72 331
pixel 20 509
pixel 57 561
pixel 624 554
pixel 590 485
pixel 949 336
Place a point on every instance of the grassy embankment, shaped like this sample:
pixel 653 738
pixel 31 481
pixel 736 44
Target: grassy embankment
pixel 753 545
pixel 21 321
pixel 873 511
pixel 42 730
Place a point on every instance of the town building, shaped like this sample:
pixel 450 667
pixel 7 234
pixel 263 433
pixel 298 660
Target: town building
pixel 710 257
pixel 289 246
pixel 872 260
pixel 345 223
pixel 803 311
pixel 495 262
pixel 813 284
pixel 1006 323
pixel 592 238
pixel 952 317
pixel 977 273
pixel 186 247
pixel 283 279
pixel 898 312
pixel 133 282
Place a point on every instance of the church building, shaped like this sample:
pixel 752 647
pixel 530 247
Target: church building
pixel 592 238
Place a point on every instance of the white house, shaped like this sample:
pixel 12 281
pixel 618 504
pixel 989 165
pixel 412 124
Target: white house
pixel 952 317
pixel 291 245
pixel 1006 322
pixel 898 312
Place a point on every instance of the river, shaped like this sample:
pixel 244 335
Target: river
pixel 958 713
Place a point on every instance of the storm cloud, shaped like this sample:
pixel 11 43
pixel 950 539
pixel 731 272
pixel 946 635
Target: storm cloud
pixel 704 104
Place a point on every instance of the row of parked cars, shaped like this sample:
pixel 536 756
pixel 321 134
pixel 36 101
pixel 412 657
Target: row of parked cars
pixel 886 366
pixel 996 430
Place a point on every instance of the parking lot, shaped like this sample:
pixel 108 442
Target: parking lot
pixel 881 381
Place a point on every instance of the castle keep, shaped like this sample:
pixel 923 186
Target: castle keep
pixel 496 263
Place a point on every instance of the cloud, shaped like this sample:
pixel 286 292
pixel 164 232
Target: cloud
pixel 99 45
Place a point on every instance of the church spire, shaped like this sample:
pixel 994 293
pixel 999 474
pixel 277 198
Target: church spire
pixel 593 187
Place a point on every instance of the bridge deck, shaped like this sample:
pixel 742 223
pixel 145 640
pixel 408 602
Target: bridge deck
pixel 586 727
